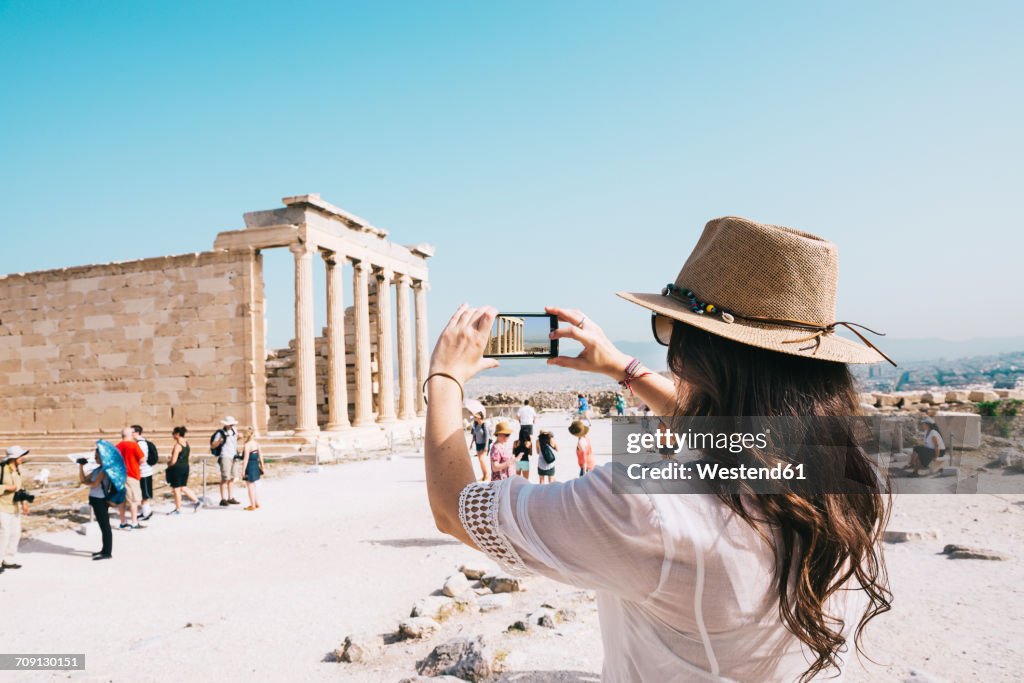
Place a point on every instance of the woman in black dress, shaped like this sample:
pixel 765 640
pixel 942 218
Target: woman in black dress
pixel 177 471
pixel 253 466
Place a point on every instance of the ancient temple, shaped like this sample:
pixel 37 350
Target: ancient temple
pixel 180 339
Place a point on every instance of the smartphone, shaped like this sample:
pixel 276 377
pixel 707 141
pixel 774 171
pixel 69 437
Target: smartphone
pixel 522 335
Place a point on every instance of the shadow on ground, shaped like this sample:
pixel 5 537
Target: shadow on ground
pixel 548 677
pixel 36 545
pixel 414 542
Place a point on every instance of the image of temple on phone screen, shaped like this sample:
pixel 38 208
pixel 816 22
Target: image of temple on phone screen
pixel 519 335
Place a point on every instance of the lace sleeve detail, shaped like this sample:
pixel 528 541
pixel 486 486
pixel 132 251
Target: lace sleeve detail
pixel 478 512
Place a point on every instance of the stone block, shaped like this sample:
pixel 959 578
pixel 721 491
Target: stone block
pixel 957 396
pixel 983 396
pixel 886 400
pixel 933 398
pixel 98 322
pixel 960 430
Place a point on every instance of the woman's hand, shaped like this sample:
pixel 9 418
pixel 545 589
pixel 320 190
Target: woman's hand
pixel 599 354
pixel 460 348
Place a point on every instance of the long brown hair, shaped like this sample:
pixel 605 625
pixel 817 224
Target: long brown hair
pixel 824 538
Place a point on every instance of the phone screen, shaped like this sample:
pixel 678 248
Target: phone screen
pixel 522 335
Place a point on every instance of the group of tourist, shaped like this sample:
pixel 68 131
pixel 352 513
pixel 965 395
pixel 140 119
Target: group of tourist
pixel 133 498
pixel 492 447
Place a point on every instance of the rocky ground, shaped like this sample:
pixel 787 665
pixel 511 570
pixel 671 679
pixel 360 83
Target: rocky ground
pixel 351 550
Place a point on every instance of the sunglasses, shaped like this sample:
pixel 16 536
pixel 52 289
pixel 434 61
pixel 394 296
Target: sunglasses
pixel 662 326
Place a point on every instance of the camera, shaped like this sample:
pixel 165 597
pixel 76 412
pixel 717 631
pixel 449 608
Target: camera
pixel 23 496
pixel 82 461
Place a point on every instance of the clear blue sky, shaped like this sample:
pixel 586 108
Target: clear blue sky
pixel 554 152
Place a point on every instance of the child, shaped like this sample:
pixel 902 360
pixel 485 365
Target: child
pixel 584 451
pixel 501 458
pixel 548 451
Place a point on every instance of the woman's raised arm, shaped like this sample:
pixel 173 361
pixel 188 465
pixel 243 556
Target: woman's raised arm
pixel 600 356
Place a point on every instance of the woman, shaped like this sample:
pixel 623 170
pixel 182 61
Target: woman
pixel 547 451
pixel 522 449
pixel 253 466
pixel 584 449
pixel 620 405
pixel 98 501
pixel 711 584
pixel 934 447
pixel 501 457
pixel 480 435
pixel 11 507
pixel 178 470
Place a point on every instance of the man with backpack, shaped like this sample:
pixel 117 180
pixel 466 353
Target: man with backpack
pixel 224 445
pixel 146 470
pixel 133 459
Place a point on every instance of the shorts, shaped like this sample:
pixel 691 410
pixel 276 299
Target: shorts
pixel 546 473
pixel 228 467
pixel 523 466
pixel 481 448
pixel 146 484
pixel 132 491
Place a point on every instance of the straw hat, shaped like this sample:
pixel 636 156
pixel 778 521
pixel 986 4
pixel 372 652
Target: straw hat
pixel 229 421
pixel 577 428
pixel 502 428
pixel 764 285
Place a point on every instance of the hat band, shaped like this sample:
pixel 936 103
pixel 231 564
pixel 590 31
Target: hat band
pixel 699 307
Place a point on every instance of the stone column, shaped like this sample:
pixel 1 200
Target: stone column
pixel 305 335
pixel 406 390
pixel 420 300
pixel 337 377
pixel 364 380
pixel 385 342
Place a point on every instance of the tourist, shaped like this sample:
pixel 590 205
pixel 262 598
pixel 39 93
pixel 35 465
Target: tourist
pixel 253 466
pixel 547 451
pixel 12 504
pixel 696 579
pixel 620 404
pixel 481 439
pixel 501 458
pixel 522 449
pixel 582 408
pixel 224 445
pixel 178 471
pixel 133 459
pixel 95 478
pixel 934 447
pixel 146 471
pixel 527 415
pixel 584 449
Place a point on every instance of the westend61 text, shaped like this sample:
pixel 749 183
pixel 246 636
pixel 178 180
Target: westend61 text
pixel 664 439
pixel 714 471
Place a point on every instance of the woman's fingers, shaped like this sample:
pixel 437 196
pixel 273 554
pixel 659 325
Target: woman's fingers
pixel 483 318
pixel 573 362
pixel 572 332
pixel 566 315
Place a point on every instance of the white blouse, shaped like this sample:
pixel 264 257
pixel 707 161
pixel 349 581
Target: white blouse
pixel 685 588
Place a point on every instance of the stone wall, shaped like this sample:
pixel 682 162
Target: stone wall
pixel 161 341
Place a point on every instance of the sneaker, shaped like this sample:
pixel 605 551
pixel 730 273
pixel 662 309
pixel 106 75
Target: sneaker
pixel 196 505
pixel 232 501
pixel 11 565
pixel 98 552
pixel 125 526
pixel 223 503
pixel 101 556
pixel 145 518
pixel 174 512
pixel 138 526
pixel 251 507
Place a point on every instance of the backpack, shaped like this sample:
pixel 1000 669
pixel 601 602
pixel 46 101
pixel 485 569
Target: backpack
pixel 219 434
pixel 111 493
pixel 152 458
pixel 547 452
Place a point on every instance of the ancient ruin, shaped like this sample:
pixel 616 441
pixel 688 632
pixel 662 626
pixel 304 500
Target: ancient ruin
pixel 181 339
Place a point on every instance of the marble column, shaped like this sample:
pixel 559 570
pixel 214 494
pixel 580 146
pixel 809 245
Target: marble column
pixel 406 390
pixel 305 336
pixel 337 377
pixel 385 343
pixel 420 300
pixel 363 377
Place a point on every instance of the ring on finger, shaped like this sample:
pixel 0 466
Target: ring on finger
pixel 580 323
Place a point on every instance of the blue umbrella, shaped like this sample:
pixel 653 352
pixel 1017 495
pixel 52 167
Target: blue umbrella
pixel 112 464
